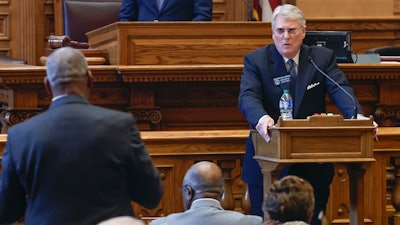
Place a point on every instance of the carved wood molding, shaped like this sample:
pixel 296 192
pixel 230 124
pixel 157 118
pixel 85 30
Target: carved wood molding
pixel 388 115
pixel 21 74
pixel 12 117
pixel 180 73
pixel 183 73
pixel 198 90
pixel 151 115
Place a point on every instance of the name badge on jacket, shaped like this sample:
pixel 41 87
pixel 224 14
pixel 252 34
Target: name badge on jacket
pixel 282 80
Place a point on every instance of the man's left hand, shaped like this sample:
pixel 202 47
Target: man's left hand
pixel 375 132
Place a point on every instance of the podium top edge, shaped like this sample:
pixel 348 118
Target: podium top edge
pixel 315 160
pixel 325 121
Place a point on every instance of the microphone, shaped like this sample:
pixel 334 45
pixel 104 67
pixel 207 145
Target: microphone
pixel 346 92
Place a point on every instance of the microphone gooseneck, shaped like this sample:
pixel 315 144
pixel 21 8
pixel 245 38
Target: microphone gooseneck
pixel 347 93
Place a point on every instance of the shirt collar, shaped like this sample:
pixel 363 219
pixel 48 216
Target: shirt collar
pixel 295 223
pixel 201 202
pixel 295 58
pixel 58 97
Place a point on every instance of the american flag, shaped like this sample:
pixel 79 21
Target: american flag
pixel 264 8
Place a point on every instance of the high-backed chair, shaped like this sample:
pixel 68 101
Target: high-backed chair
pixel 76 17
pixel 385 50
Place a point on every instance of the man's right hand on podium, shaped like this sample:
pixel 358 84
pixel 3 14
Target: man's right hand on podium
pixel 263 125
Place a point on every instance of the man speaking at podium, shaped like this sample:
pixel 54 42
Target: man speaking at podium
pixel 166 10
pixel 314 74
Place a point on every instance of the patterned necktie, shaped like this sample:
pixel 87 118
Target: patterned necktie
pixel 292 69
pixel 293 76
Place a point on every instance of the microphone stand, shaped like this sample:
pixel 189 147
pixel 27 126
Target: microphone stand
pixel 347 93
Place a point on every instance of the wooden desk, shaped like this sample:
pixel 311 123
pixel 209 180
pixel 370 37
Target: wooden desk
pixel 178 43
pixel 173 152
pixel 215 42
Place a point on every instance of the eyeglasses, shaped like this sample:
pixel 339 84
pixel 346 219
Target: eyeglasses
pixel 291 31
pixel 184 187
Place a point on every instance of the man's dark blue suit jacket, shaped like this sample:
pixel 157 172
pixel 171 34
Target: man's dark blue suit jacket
pixel 171 10
pixel 76 164
pixel 260 93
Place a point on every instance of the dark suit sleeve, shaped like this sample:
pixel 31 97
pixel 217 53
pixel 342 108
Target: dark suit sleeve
pixel 128 11
pixel 144 180
pixel 202 10
pixel 12 194
pixel 251 92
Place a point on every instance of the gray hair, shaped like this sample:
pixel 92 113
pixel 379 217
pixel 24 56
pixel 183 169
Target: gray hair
pixel 66 65
pixel 288 11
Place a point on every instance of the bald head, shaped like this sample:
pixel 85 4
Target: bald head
pixel 204 176
pixel 204 180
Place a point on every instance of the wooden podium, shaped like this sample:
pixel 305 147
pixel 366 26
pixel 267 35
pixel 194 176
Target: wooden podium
pixel 320 139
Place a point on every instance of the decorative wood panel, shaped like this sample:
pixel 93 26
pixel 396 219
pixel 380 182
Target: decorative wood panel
pixel 204 96
pixel 4 26
pixel 35 22
pixel 141 43
pixel 171 43
pixel 174 152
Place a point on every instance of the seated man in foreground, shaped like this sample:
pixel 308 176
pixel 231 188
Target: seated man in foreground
pixel 202 189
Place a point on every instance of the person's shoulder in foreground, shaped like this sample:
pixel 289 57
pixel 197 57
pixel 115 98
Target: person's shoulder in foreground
pixel 202 188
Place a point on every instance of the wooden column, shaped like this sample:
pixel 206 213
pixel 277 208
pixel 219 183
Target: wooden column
pixel 227 199
pixel 25 24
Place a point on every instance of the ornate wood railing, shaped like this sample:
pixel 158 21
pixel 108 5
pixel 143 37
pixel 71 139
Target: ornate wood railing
pixel 204 96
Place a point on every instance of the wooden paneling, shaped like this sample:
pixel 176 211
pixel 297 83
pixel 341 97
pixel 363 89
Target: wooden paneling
pixel 204 96
pixel 26 24
pixel 175 151
pixel 171 43
pixel 346 8
pixel 228 10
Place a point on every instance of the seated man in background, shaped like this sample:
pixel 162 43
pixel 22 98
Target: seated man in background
pixel 76 163
pixel 290 201
pixel 202 189
pixel 166 10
